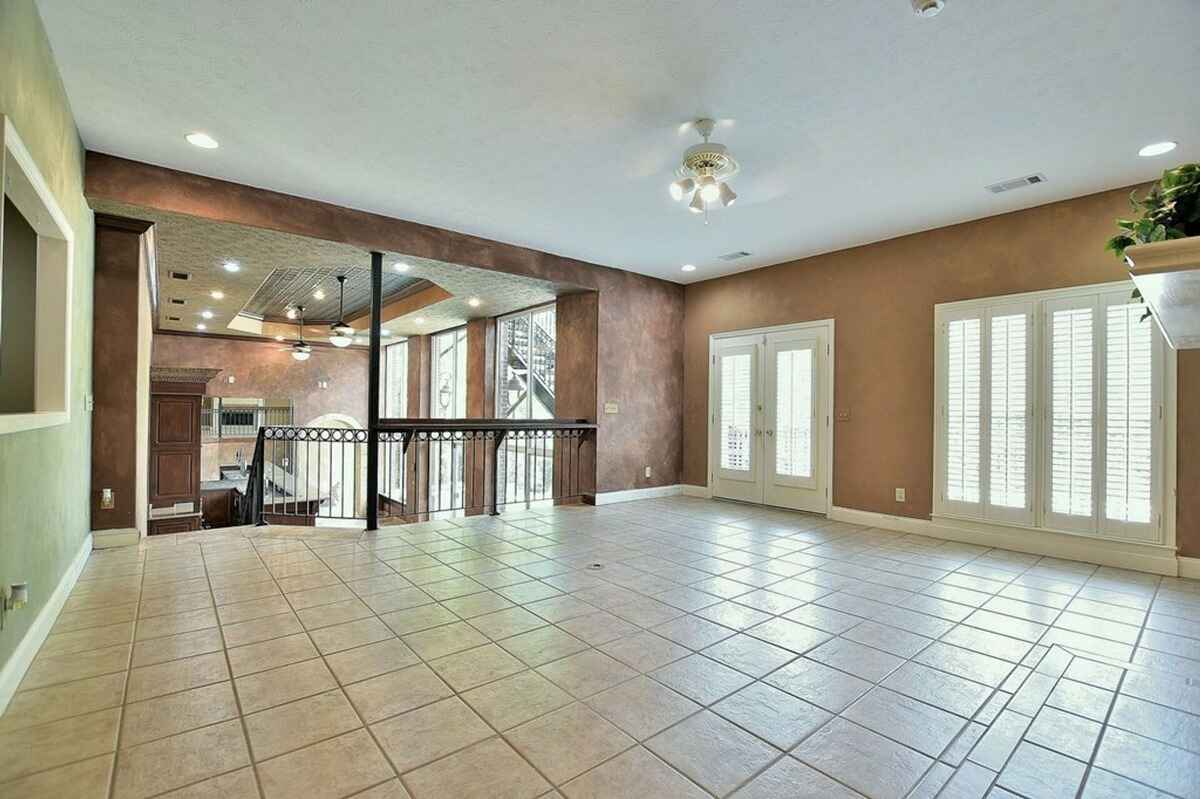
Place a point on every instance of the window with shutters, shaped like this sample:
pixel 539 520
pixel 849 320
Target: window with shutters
pixel 1050 413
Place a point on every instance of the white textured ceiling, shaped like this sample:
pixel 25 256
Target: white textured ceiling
pixel 556 125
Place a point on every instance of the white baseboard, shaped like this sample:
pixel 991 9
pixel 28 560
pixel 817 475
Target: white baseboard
pixel 702 492
pixel 122 537
pixel 654 492
pixel 1139 557
pixel 14 670
pixel 1189 567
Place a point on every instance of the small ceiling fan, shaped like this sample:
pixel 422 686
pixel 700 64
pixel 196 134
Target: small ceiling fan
pixel 340 333
pixel 299 349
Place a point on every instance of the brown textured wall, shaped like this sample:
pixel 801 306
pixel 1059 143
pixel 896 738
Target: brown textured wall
pixel 115 340
pixel 481 368
pixel 576 326
pixel 882 296
pixel 640 352
pixel 262 370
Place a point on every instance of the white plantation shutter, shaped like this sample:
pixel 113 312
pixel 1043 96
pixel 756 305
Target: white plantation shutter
pixel 794 412
pixel 1009 404
pixel 962 410
pixel 1130 418
pixel 1079 373
pixel 737 413
pixel 1072 431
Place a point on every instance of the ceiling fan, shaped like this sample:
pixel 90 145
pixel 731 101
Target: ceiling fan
pixel 340 333
pixel 299 350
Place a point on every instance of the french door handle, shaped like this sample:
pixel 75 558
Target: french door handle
pixel 770 432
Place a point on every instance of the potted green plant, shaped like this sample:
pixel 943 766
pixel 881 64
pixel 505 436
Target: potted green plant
pixel 1162 248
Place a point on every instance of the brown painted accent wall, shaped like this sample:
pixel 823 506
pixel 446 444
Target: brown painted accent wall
pixel 262 370
pixel 116 336
pixel 640 358
pixel 882 296
pixel 576 358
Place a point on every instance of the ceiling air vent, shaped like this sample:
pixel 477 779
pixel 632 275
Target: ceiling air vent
pixel 734 256
pixel 177 301
pixel 181 275
pixel 173 319
pixel 1016 183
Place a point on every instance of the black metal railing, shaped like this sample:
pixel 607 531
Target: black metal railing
pixel 300 475
pixel 221 421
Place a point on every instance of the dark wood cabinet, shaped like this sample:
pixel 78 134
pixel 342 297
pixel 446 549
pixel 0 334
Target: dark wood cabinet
pixel 174 449
pixel 219 506
pixel 176 395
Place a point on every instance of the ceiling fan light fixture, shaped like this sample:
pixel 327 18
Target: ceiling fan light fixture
pixel 727 195
pixel 301 354
pixel 339 340
pixel 696 206
pixel 709 190
pixel 928 8
pixel 681 187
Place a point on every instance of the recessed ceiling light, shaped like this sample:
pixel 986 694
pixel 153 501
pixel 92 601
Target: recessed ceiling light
pixel 401 266
pixel 217 294
pixel 319 294
pixel 207 314
pixel 473 302
pixel 232 266
pixel 202 326
pixel 291 313
pixel 688 268
pixel 202 140
pixel 420 320
pixel 279 338
pixel 1158 148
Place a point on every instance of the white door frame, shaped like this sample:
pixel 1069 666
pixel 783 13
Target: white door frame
pixel 826 455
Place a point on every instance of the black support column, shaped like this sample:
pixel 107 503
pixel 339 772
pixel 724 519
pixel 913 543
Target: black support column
pixel 373 393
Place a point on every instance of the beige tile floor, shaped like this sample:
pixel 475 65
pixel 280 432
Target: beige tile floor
pixel 668 648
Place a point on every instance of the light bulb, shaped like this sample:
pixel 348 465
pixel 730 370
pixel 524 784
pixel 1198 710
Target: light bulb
pixel 202 140
pixel 727 195
pixel 710 192
pixel 339 340
pixel 681 187
pixel 696 206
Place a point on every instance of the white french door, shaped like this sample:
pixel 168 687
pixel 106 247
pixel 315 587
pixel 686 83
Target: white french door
pixel 770 427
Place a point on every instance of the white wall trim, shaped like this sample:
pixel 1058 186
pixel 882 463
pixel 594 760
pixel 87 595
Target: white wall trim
pixel 654 492
pixel 1124 555
pixel 702 492
pixel 1189 567
pixel 120 537
pixel 14 670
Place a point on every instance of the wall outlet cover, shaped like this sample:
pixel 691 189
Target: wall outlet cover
pixel 900 495
pixel 611 407
pixel 647 471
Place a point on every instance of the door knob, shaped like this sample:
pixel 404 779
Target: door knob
pixel 770 432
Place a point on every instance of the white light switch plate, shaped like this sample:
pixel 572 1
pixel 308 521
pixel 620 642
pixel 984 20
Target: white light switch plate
pixel 610 407
pixel 900 495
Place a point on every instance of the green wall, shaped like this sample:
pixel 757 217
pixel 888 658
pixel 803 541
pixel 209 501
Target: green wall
pixel 44 474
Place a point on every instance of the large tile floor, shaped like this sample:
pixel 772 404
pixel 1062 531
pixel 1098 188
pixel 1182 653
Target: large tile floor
pixel 671 648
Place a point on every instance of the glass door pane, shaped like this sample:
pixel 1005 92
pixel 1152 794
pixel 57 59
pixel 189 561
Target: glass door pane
pixel 793 431
pixel 737 412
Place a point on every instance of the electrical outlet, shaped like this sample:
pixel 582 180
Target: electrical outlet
pixel 611 407
pixel 843 414
pixel 108 500
pixel 900 495
pixel 647 471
